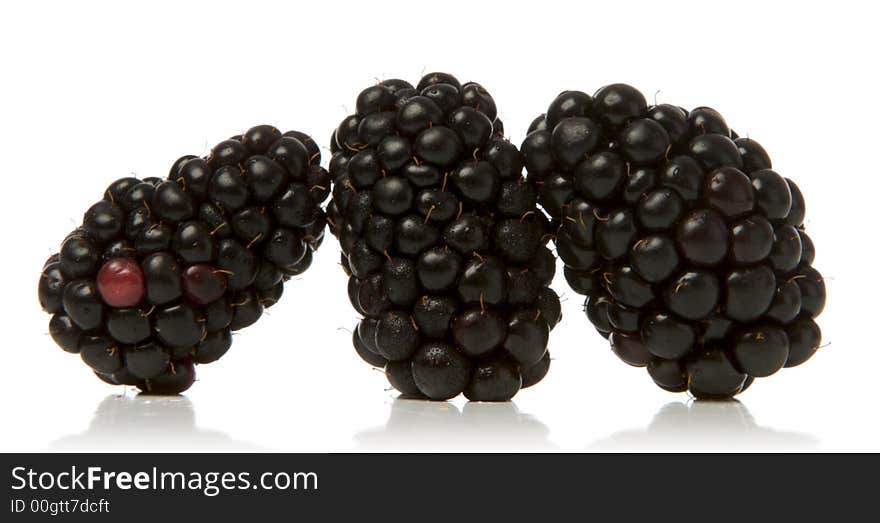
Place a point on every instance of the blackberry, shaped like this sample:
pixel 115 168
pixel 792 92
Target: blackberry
pixel 690 249
pixel 443 242
pixel 162 271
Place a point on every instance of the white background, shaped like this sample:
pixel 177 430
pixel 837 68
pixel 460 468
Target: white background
pixel 91 92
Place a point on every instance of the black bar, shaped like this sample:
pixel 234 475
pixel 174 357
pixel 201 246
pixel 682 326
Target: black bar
pixel 466 487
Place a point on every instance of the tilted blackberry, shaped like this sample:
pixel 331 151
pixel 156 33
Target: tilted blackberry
pixel 162 271
pixel 690 249
pixel 443 242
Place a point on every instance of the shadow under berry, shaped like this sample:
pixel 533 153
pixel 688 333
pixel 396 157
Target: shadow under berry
pixel 705 426
pixel 421 426
pixel 148 423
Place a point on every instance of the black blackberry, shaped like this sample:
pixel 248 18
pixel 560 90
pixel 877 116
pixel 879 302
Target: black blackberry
pixel 690 249
pixel 161 271
pixel 443 242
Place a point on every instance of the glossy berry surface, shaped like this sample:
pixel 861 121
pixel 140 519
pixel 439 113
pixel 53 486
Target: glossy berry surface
pixel 121 283
pixel 690 249
pixel 443 241
pixel 163 270
pixel 203 284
